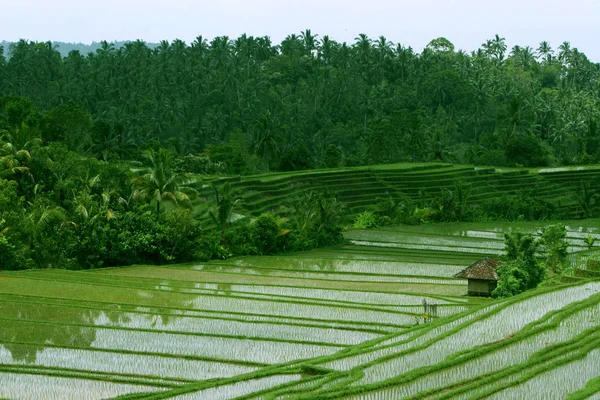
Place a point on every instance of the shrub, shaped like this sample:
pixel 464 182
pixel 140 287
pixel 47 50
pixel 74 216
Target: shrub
pixel 264 234
pixel 554 243
pixel 10 257
pixel 365 220
pixel 524 205
pixel 528 151
pixel 180 235
pixel 522 271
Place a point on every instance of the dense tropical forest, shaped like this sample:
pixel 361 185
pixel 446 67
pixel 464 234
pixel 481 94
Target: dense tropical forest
pixel 64 48
pixel 98 149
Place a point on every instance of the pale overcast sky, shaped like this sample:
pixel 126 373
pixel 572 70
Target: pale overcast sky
pixel 466 23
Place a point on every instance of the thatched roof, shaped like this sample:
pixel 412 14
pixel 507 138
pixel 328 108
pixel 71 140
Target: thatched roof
pixel 484 269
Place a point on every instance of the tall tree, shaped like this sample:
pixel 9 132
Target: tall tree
pixel 159 183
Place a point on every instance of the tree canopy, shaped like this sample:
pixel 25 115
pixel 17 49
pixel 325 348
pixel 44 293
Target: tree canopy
pixel 375 100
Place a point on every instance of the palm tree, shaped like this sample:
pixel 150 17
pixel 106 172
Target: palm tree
pixel 565 53
pixel 38 222
pixel 265 139
pixel 545 52
pixel 495 48
pixel 311 42
pixel 363 48
pixel 15 149
pixel 225 203
pixel 158 182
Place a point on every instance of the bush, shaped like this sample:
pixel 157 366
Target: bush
pixel 10 257
pixel 522 271
pixel 264 234
pixel 334 157
pixel 365 220
pixel 528 151
pixel 554 243
pixel 496 158
pixel 295 159
pixel 180 236
pixel 524 205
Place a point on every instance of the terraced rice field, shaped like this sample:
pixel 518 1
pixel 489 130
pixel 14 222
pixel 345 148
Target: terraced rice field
pixel 344 322
pixel 361 187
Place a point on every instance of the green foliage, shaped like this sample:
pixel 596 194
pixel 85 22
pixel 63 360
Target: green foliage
pixel 315 220
pixel 265 231
pixel 197 164
pixel 296 158
pixel 527 151
pixel 377 101
pixel 180 237
pixel 522 271
pixel 226 158
pixel 451 205
pixel 365 220
pixel 334 157
pixel 225 202
pixel 18 111
pixel 68 122
pixel 590 241
pixel 555 245
pixel 11 258
pixel 526 204
pixel 446 89
pixel 159 183
pixel 512 280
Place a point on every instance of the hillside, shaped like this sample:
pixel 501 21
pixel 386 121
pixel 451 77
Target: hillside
pixel 361 187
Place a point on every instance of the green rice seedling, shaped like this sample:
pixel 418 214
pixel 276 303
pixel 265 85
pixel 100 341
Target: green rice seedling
pixel 207 347
pixel 180 324
pixel 169 312
pixel 236 274
pixel 494 327
pixel 469 250
pixel 569 327
pixel 26 386
pixel 363 297
pixel 114 362
pixel 399 343
pixel 340 276
pixel 212 303
pixel 359 266
pixel 239 389
pixel 488 241
pixel 557 383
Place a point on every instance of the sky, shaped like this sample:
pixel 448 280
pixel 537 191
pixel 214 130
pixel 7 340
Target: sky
pixel 466 23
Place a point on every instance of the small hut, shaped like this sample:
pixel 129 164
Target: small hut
pixel 482 277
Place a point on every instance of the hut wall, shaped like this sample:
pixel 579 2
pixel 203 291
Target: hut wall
pixel 479 287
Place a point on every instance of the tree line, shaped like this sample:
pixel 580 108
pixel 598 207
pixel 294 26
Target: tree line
pixel 248 105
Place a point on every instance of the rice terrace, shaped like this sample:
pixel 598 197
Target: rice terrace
pixel 299 216
pixel 380 316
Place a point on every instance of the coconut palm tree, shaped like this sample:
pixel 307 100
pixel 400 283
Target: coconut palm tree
pixel 159 183
pixel 38 222
pixel 545 52
pixel 15 149
pixel 265 138
pixel 225 202
pixel 310 41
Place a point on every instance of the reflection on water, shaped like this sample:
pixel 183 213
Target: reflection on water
pixel 262 264
pixel 42 325
pixel 41 335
